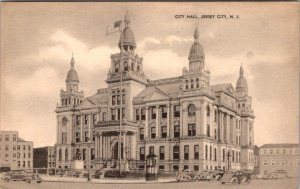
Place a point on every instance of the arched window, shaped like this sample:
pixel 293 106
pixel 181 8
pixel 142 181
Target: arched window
pixel 192 83
pixel 59 155
pixel 186 84
pixel 125 66
pixel 66 154
pixel 191 110
pixel 197 83
pixel 64 122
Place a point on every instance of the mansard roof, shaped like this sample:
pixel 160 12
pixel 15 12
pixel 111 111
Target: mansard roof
pixel 100 98
pixel 224 87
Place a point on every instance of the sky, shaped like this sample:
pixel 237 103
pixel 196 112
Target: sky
pixel 38 39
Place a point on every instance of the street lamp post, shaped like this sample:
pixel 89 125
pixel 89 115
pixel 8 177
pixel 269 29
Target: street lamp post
pixel 228 157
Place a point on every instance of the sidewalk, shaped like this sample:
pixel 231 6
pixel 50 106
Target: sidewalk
pixel 47 178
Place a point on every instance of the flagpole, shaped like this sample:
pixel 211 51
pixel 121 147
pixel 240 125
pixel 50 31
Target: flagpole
pixel 121 116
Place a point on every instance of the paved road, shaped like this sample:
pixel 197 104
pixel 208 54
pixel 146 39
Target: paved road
pixel 255 184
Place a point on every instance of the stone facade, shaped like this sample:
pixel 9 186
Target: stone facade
pixel 15 152
pixel 185 121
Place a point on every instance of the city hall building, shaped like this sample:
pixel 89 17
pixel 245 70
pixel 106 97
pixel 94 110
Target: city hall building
pixel 185 121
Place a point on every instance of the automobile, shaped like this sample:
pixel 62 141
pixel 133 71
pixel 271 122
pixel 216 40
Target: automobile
pixel 276 174
pixel 4 169
pixel 204 175
pixel 235 176
pixel 249 173
pixel 36 178
pixel 185 175
pixel 61 173
pixel 97 174
pixel 17 176
pixel 218 174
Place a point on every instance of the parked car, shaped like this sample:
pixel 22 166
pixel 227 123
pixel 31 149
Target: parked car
pixel 235 176
pixel 4 169
pixel 97 174
pixel 204 175
pixel 185 175
pixel 17 176
pixel 218 174
pixel 36 178
pixel 276 174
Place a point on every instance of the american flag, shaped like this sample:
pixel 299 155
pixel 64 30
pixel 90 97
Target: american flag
pixel 114 27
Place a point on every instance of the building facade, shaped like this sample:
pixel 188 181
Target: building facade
pixel 15 152
pixel 187 122
pixel 44 157
pixel 273 157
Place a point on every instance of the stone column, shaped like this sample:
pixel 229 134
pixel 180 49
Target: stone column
pixel 147 122
pixel 199 125
pixel 100 146
pixel 90 123
pixel 157 122
pixel 81 127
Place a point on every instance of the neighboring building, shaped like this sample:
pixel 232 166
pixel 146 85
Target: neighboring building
pixel 279 157
pixel 14 151
pixel 44 157
pixel 184 120
pixel 256 160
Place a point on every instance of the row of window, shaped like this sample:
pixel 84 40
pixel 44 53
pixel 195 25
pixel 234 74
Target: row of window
pixel 68 101
pixel 280 151
pixel 24 164
pixel 84 154
pixel 85 119
pixel 6 137
pixel 210 153
pixel 283 163
pixel 126 67
pixel 191 131
pixel 18 147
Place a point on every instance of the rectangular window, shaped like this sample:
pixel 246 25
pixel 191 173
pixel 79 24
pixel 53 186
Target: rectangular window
pixel 206 152
pixel 143 114
pixel 92 153
pixel 196 152
pixel 215 153
pixel 28 163
pixel 153 132
pixel 86 136
pixel 153 113
pixel 137 114
pixel 94 119
pixel 6 137
pixel 177 111
pixel 151 149
pixel 185 167
pixel 78 120
pixel 176 131
pixel 19 163
pixel 164 112
pixel 29 147
pixel 123 99
pixel 118 99
pixel 113 114
pixel 142 153
pixel 113 100
pixel 83 154
pixel 273 163
pixel 161 167
pixel 77 137
pixel 186 152
pixel 23 163
pixel 210 153
pixel 161 152
pixel 63 137
pixel 141 133
pixel 123 113
pixel 176 152
pixel 223 155
pixel 14 137
pixel 86 119
pixel 164 132
pixel 208 130
pixel 24 147
pixel 192 129
pixel 175 167
pixel 29 155
pixel 6 148
pixel 24 155
pixel 117 67
pixel 196 167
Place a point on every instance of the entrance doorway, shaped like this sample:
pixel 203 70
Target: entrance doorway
pixel 116 150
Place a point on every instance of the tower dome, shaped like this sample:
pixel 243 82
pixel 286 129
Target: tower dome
pixel 127 39
pixel 196 51
pixel 241 84
pixel 72 75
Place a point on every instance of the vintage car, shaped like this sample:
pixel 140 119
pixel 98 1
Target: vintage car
pixel 218 174
pixel 235 176
pixel 186 175
pixel 21 176
pixel 204 175
pixel 275 174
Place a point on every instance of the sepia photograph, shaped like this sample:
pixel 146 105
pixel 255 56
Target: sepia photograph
pixel 149 94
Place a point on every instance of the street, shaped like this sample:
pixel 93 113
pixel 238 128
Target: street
pixel 255 184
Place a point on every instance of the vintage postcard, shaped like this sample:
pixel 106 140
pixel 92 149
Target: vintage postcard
pixel 154 94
